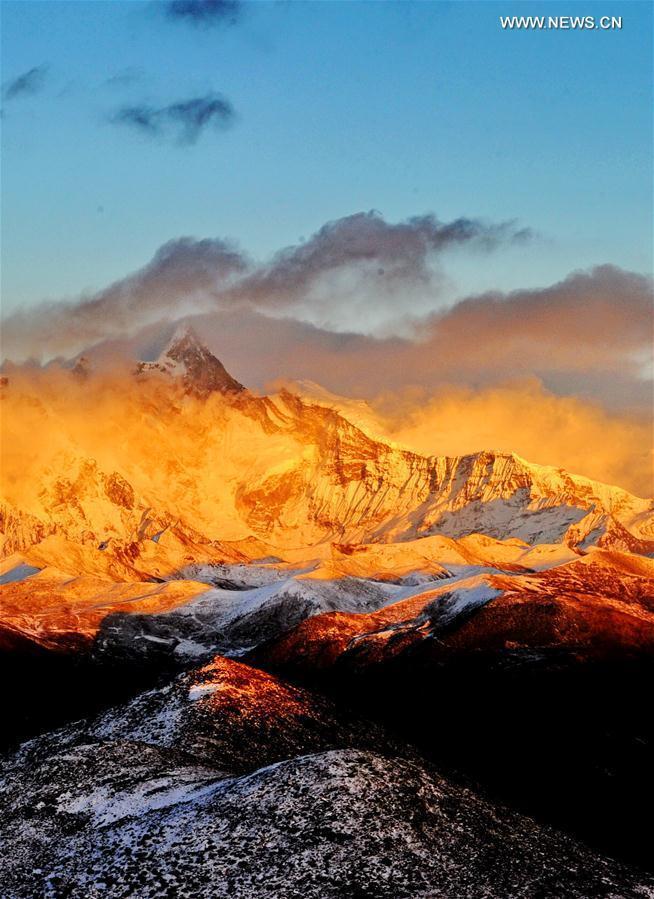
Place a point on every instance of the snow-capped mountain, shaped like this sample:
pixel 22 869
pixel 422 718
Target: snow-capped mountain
pixel 179 474
pixel 198 458
pixel 153 519
pixel 186 357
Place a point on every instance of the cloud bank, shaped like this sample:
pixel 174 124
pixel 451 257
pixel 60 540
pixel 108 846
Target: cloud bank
pixel 588 335
pixel 175 282
pixel 371 255
pixel 360 258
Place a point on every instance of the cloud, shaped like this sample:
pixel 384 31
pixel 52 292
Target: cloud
pixel 350 262
pixel 183 121
pixel 588 335
pixel 29 83
pixel 556 374
pixel 382 256
pixel 205 13
pixel 175 282
pixel 584 339
pixel 525 418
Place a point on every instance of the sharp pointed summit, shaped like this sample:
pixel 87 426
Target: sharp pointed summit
pixel 187 357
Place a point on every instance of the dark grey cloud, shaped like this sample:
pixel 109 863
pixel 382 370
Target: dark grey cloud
pixel 30 82
pixel 182 121
pixel 386 254
pixel 204 13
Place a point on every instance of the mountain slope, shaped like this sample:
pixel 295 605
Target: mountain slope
pixel 342 823
pixel 233 783
pixel 187 451
pixel 536 684
pixel 597 607
pixel 496 612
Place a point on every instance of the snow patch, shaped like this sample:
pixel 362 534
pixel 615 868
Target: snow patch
pixel 198 691
pixel 107 806
pixel 464 601
pixel 18 573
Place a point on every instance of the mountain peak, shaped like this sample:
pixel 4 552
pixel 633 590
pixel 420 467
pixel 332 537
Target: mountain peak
pixel 185 339
pixel 187 357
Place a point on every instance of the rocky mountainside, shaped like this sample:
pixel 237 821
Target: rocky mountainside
pixel 181 449
pixel 488 616
pixel 230 782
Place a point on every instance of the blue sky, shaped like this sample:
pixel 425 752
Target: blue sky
pixel 340 107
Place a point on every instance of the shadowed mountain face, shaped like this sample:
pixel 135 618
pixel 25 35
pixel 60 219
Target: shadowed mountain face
pixel 534 684
pixel 231 782
pixel 490 616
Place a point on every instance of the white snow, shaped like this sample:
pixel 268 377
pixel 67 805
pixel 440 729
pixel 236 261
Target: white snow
pixel 198 691
pixel 476 593
pixel 19 573
pixel 107 806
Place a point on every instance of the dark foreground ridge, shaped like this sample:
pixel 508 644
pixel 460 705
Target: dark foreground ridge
pixel 181 793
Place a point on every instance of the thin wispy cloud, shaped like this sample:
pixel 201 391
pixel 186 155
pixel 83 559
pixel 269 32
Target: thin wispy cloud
pixel 204 13
pixel 29 83
pixel 125 77
pixel 181 122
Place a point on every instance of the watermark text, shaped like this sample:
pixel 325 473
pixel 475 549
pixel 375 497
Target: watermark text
pixel 561 23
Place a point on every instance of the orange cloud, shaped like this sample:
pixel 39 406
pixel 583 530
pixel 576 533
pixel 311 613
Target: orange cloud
pixel 526 419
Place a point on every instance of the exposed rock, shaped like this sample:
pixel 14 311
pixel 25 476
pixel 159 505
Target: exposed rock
pixel 229 465
pixel 119 491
